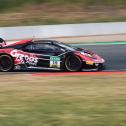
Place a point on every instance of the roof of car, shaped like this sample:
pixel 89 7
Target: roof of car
pixel 31 41
pixel 45 41
pixel 20 42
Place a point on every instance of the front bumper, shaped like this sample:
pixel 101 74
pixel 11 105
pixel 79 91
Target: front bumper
pixel 96 66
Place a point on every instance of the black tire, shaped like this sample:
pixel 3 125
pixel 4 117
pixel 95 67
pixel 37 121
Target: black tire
pixel 73 64
pixel 101 67
pixel 6 63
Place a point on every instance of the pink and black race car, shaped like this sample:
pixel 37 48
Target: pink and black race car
pixel 46 54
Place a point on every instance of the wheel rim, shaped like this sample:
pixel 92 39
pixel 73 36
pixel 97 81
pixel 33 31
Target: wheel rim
pixel 5 63
pixel 73 64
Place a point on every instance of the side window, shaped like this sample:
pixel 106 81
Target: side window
pixel 28 48
pixel 47 49
pixel 42 48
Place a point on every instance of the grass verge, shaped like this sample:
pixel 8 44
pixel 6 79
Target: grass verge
pixel 90 100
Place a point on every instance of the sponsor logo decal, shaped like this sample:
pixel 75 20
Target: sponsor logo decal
pixel 24 58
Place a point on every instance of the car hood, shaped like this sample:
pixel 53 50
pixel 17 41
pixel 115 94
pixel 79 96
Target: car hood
pixel 90 55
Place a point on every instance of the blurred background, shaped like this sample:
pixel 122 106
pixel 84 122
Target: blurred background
pixel 41 12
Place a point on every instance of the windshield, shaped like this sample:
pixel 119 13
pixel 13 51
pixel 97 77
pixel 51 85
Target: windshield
pixel 66 46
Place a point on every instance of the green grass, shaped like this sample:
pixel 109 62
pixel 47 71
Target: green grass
pixel 64 101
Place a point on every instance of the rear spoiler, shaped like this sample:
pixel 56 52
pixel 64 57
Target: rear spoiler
pixel 2 42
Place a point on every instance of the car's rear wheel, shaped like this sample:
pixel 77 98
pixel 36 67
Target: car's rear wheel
pixel 6 63
pixel 73 64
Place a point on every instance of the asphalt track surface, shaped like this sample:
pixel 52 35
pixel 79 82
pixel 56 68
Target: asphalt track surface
pixel 114 55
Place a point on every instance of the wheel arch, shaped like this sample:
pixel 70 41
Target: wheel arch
pixel 73 55
pixel 12 62
pixel 7 55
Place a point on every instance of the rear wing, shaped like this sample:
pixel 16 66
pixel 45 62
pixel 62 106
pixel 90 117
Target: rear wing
pixel 2 42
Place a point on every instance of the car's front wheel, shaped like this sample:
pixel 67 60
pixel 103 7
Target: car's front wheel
pixel 101 67
pixel 73 64
pixel 6 63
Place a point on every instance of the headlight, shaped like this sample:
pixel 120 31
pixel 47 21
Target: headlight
pixel 85 54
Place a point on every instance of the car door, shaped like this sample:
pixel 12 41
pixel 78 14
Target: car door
pixel 47 53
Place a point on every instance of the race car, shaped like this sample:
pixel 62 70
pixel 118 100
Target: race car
pixel 47 54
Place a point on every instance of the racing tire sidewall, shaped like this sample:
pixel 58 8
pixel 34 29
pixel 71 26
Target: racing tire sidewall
pixel 101 67
pixel 78 67
pixel 9 60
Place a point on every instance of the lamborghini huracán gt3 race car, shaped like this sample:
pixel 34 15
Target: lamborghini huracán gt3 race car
pixel 46 54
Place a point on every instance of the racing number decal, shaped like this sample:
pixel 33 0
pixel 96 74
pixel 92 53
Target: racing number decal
pixel 55 61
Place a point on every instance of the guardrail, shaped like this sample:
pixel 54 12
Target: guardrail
pixel 65 30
